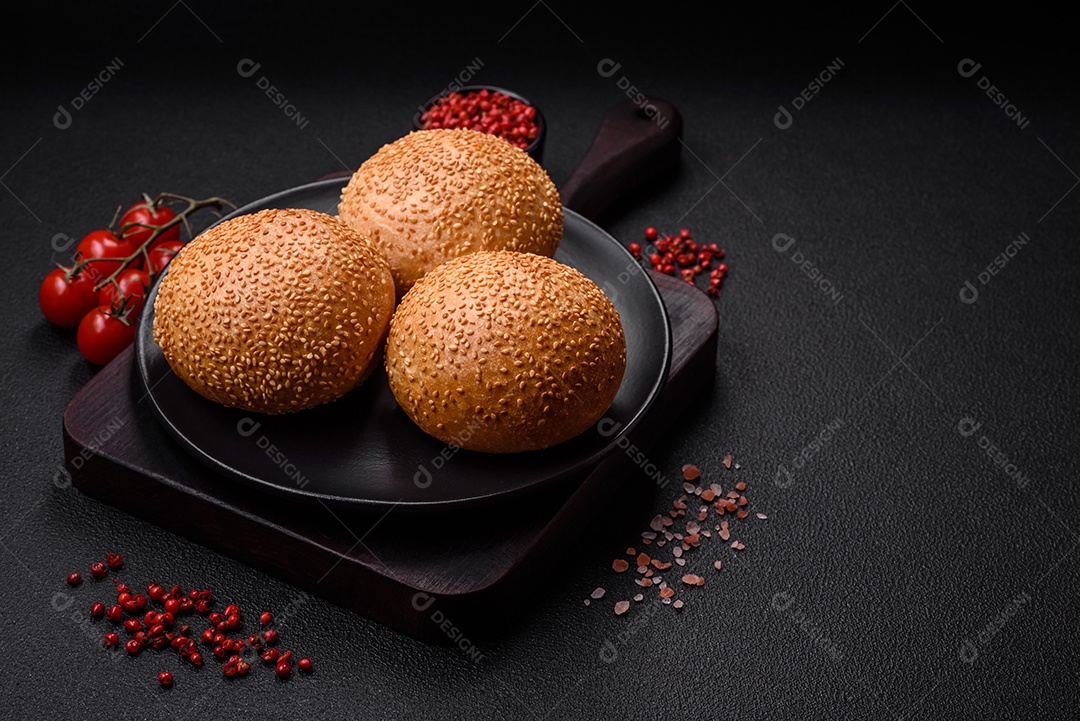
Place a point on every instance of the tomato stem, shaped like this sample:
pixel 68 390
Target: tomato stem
pixel 116 216
pixel 121 308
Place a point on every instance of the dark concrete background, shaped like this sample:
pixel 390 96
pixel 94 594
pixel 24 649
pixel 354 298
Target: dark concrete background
pixel 943 585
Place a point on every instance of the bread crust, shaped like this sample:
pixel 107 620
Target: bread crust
pixel 504 352
pixel 434 195
pixel 274 312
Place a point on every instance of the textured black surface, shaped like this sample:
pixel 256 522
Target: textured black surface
pixel 900 538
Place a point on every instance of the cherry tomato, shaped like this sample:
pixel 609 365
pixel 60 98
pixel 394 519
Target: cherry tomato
pixel 162 254
pixel 148 214
pixel 133 284
pixel 64 300
pixel 102 335
pixel 159 241
pixel 102 244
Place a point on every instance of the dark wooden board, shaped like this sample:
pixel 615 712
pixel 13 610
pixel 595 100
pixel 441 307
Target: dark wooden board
pixel 635 145
pixel 407 574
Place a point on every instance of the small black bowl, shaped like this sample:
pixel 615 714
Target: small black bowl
pixel 535 148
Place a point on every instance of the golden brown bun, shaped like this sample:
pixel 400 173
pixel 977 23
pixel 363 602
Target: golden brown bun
pixel 274 312
pixel 503 352
pixel 438 194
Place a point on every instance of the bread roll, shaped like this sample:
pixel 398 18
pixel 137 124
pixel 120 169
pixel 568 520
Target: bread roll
pixel 504 352
pixel 435 195
pixel 274 312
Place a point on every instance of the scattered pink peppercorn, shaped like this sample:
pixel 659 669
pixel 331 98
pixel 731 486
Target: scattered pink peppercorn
pixel 115 614
pixel 681 256
pixel 155 630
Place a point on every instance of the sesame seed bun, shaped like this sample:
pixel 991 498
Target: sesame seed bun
pixel 274 312
pixel 504 352
pixel 437 194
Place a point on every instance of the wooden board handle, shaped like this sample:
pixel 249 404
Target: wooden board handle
pixel 636 142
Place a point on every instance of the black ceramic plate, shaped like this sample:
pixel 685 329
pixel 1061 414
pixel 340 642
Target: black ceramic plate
pixel 362 449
